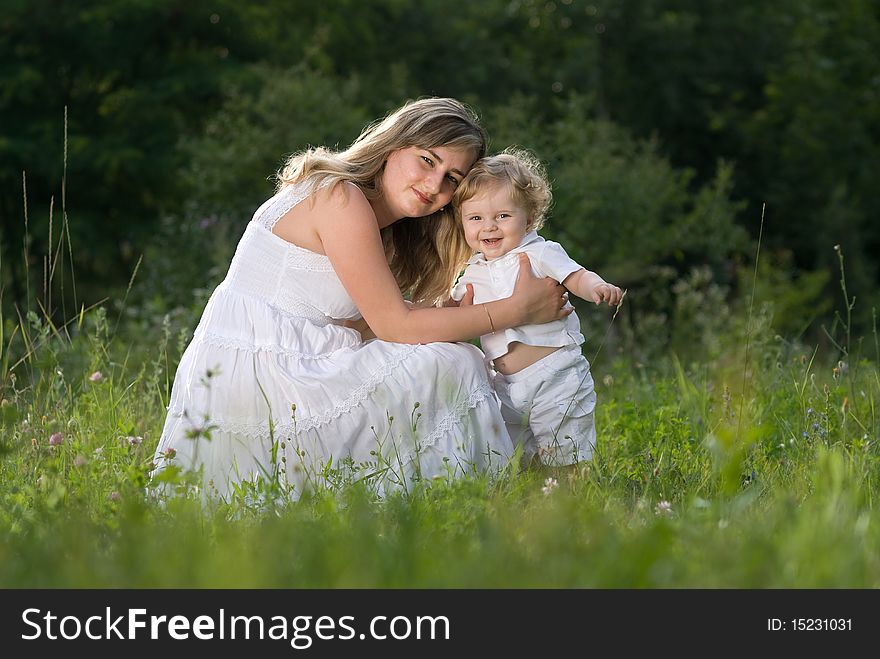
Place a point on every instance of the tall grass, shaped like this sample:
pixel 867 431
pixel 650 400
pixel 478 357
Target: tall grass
pixel 688 488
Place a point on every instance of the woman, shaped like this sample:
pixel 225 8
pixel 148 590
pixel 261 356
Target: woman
pixel 277 384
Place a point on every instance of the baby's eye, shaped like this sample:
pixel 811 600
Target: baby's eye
pixel 475 218
pixel 503 216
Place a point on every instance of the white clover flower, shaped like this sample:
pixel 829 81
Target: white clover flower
pixel 664 509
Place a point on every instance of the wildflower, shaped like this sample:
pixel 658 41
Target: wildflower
pixel 114 496
pixel 79 460
pixel 56 439
pixel 549 485
pixel 169 453
pixel 97 376
pixel 608 380
pixel 809 411
pixel 134 440
pixel 664 509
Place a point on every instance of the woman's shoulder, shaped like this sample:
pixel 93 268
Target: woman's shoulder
pixel 341 192
pixel 343 198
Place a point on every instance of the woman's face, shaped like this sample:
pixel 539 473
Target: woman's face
pixel 417 182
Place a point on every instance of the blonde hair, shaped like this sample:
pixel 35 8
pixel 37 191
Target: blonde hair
pixel 521 171
pixel 425 254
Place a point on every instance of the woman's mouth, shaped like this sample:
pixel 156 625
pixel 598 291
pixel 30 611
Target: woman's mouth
pixel 425 200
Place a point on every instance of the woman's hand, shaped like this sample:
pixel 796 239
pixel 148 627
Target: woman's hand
pixel 539 300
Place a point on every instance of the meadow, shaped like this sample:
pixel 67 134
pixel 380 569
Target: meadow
pixel 751 462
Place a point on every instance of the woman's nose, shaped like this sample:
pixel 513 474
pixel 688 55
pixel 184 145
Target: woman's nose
pixel 434 182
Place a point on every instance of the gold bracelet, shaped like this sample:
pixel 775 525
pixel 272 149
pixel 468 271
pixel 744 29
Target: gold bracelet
pixel 491 324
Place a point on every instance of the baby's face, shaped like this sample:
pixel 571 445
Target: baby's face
pixel 493 223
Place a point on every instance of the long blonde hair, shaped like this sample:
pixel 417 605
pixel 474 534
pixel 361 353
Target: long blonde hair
pixel 425 254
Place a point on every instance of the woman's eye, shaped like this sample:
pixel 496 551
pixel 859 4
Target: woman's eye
pixel 428 160
pixel 453 180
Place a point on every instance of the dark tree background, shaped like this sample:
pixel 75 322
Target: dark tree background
pixel 666 124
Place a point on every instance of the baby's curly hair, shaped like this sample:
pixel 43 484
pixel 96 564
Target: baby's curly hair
pixel 519 169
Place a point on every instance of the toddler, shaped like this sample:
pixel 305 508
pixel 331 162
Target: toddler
pixel 541 377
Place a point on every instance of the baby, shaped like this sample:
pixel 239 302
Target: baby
pixel 542 379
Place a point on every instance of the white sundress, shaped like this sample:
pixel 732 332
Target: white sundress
pixel 273 386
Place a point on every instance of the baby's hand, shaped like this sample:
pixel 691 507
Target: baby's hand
pixel 360 325
pixel 603 291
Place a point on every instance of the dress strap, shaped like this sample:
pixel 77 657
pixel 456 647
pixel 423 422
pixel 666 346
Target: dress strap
pixel 279 205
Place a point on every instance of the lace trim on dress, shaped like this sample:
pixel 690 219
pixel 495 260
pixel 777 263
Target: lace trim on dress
pixel 280 205
pixel 284 200
pixel 300 258
pixel 229 343
pixel 359 395
pixel 477 396
pixel 289 429
pixel 258 429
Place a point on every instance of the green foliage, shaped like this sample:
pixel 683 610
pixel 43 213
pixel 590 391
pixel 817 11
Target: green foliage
pixel 129 78
pixel 278 112
pixel 618 203
pixel 814 138
pixel 694 109
pixel 230 172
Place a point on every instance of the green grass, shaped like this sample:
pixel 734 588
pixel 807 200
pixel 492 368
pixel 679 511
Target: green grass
pixel 734 472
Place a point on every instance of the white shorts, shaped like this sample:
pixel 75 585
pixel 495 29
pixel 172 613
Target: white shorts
pixel 548 408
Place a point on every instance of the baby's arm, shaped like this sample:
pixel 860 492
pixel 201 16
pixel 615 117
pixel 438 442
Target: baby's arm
pixel 588 285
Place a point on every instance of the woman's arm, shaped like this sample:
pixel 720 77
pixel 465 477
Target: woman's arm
pixel 350 236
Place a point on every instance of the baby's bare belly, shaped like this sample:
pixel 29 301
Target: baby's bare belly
pixel 519 356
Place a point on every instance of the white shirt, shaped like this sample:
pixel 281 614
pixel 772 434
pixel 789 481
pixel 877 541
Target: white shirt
pixel 494 280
